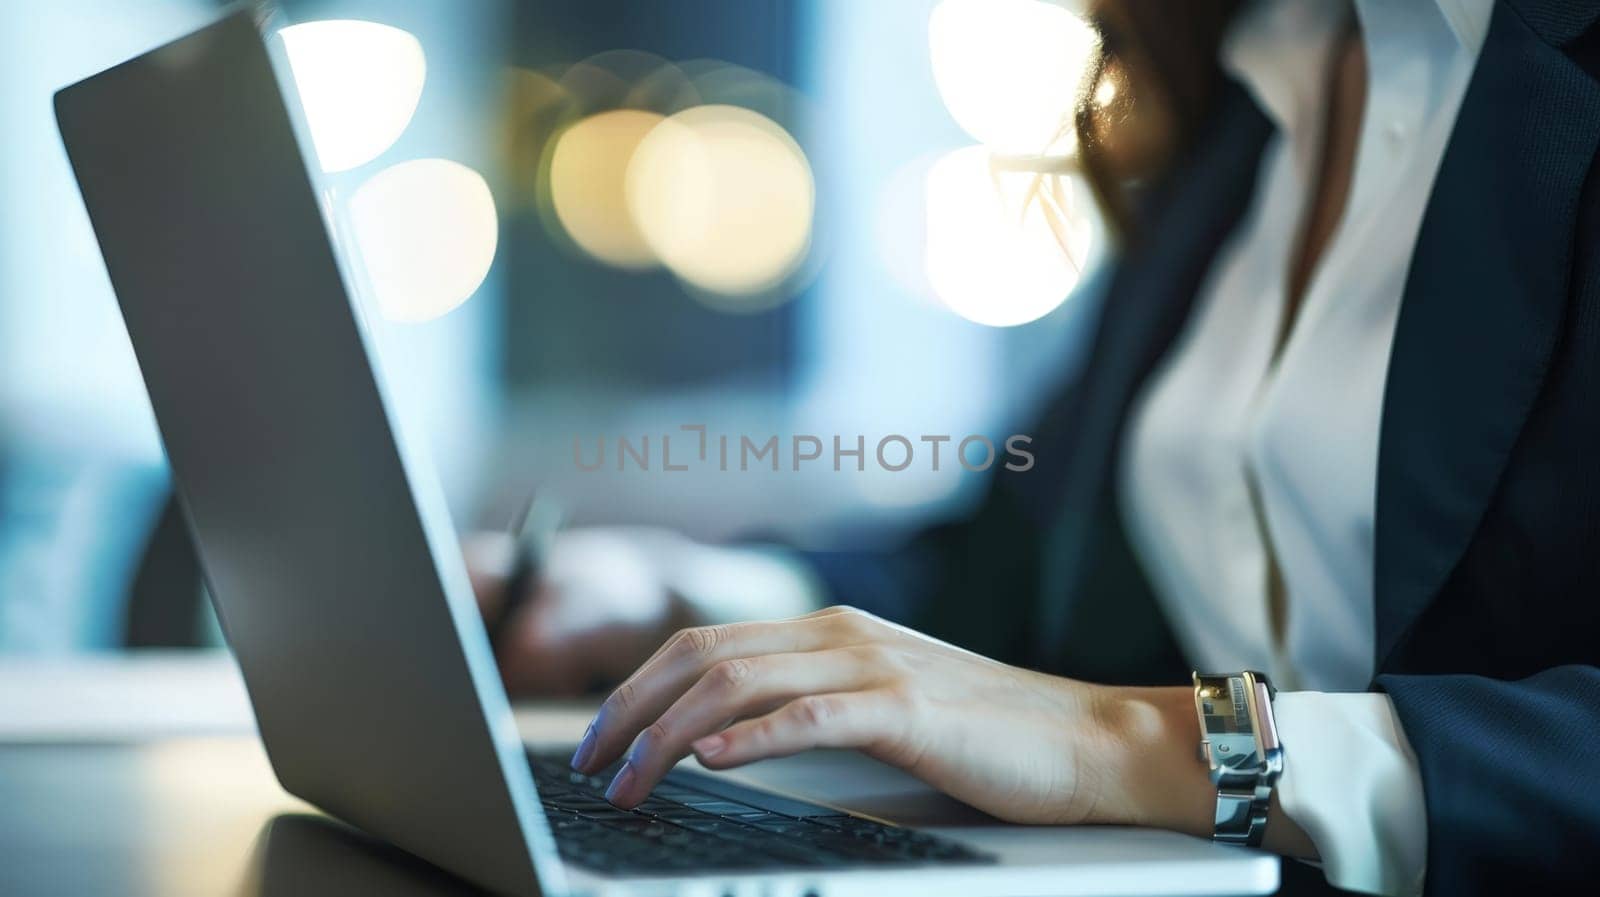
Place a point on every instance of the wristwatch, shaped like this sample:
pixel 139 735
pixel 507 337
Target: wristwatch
pixel 1239 744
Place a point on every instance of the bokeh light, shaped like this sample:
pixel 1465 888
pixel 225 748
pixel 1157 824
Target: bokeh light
pixel 588 174
pixel 426 231
pixel 725 198
pixel 619 79
pixel 713 82
pixel 1005 247
pixel 639 163
pixel 359 84
pixel 1009 71
pixel 536 107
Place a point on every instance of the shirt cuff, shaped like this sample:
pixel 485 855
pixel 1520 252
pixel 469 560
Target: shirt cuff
pixel 1351 781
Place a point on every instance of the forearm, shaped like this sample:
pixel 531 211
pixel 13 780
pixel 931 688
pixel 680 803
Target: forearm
pixel 1153 774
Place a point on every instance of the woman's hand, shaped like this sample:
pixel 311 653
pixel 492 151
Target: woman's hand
pixel 1022 746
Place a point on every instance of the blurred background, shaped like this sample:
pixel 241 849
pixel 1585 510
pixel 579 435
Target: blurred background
pixel 580 220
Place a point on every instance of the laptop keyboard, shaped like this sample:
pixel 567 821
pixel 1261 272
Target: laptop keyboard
pixel 696 823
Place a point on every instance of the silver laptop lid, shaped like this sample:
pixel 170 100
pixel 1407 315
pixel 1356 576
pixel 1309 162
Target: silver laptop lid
pixel 326 546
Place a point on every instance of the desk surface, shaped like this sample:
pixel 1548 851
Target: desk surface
pixel 177 798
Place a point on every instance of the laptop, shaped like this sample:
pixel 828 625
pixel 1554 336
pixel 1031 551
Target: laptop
pixel 338 578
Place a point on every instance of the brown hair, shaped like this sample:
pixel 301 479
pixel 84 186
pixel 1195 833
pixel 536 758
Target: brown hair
pixel 1147 93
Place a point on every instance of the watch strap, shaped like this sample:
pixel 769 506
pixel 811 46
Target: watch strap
pixel 1241 816
pixel 1244 794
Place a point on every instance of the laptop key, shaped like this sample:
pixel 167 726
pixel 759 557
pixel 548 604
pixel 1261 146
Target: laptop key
pixel 717 807
pixel 784 826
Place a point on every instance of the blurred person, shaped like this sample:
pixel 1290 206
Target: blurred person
pixel 1338 425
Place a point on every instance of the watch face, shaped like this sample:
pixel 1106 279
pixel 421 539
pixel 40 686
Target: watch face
pixel 1226 714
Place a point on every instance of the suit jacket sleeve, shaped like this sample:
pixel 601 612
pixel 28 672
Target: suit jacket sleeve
pixel 1511 778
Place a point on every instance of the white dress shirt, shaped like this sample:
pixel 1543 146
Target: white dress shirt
pixel 1222 410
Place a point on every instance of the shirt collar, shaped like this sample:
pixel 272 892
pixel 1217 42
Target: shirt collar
pixel 1279 49
pixel 1468 21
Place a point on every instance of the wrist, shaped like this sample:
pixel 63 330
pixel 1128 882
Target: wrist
pixel 1155 753
pixel 1157 736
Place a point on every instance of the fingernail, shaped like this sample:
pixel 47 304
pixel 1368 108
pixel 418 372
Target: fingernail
pixel 621 783
pixel 585 751
pixel 710 746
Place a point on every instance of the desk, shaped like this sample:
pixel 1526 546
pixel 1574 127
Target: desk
pixel 143 776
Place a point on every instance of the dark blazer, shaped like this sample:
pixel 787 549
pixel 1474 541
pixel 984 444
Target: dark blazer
pixel 1487 568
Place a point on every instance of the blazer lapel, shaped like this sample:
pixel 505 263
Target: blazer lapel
pixel 1482 308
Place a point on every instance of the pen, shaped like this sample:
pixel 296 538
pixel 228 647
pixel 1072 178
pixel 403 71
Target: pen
pixel 533 530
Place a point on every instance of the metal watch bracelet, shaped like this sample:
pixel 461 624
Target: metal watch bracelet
pixel 1239 744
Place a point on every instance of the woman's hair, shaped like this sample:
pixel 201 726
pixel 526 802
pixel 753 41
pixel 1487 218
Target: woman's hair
pixel 1146 94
